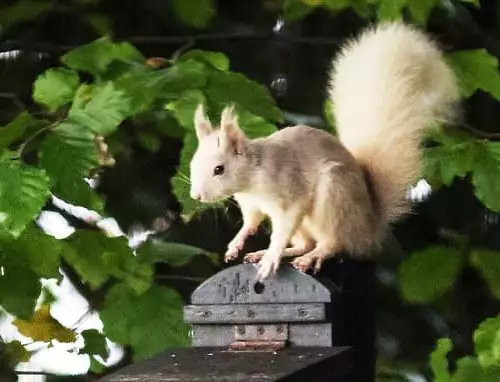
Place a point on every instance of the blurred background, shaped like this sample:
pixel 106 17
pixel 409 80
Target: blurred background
pixel 442 282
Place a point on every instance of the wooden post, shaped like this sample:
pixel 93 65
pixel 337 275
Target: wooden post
pixel 291 327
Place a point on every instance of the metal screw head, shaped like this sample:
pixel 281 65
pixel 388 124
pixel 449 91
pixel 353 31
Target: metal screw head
pixel 280 329
pixel 261 330
pixel 251 313
pixel 302 312
pixel 241 329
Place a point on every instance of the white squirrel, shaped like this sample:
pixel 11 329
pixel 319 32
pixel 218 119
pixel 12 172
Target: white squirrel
pixel 325 195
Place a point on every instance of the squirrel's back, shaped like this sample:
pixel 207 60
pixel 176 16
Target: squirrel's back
pixel 387 86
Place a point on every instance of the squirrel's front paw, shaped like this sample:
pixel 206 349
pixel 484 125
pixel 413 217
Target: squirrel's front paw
pixel 234 248
pixel 231 254
pixel 267 265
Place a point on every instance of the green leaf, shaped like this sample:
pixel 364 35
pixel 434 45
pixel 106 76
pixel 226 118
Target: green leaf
pixel 439 363
pixel 197 13
pixel 55 87
pixel 22 11
pixel 68 154
pixel 428 274
pixel 487 342
pixel 20 127
pixel 149 140
pixel 39 250
pixel 104 111
pixel 182 76
pixel 390 10
pixel 488 264
pixel 329 116
pixel 100 23
pixel 19 286
pixel 253 125
pixel 184 108
pixel 420 10
pixel 141 84
pixel 450 162
pixel 226 88
pixel 43 327
pixel 161 121
pixel 485 176
pixel 476 3
pixel 174 254
pixel 476 69
pixel 336 5
pixel 150 323
pixel 96 258
pixel 16 352
pixel 96 367
pixel 95 343
pixel 217 60
pixel 181 181
pixel 296 9
pixel 362 7
pixel 96 57
pixel 23 192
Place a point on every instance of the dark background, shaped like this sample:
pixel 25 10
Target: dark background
pixel 293 64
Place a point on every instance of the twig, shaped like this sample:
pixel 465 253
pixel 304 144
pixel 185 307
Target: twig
pixel 182 49
pixel 30 138
pixel 481 134
pixel 33 373
pixel 180 278
pixel 15 99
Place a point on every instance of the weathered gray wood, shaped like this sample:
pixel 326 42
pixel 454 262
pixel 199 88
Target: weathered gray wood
pixel 261 332
pixel 254 313
pixel 313 335
pixel 237 285
pixel 211 365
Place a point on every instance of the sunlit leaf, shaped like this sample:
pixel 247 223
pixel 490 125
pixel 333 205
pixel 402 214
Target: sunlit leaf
pixel 43 327
pixel 23 192
pixel 55 87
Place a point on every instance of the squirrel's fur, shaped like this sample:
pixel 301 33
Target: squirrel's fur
pixel 325 195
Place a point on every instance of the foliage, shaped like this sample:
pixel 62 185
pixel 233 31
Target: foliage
pixel 74 115
pixel 99 88
pixel 484 366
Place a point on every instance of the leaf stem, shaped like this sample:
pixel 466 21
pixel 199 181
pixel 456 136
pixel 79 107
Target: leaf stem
pixel 30 138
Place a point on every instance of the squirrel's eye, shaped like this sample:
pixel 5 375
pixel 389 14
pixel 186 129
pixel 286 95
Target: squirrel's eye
pixel 219 170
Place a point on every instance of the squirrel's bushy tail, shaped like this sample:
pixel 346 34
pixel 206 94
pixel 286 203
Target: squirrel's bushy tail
pixel 387 86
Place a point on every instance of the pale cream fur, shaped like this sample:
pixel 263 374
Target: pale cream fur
pixel 324 195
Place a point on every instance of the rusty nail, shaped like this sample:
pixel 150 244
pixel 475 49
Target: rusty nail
pixel 261 330
pixel 241 329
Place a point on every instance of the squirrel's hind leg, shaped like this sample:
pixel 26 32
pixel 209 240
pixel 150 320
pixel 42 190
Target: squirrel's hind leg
pixel 315 258
pixel 301 244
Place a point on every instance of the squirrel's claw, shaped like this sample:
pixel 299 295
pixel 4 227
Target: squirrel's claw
pixel 267 265
pixel 307 261
pixel 254 257
pixel 231 255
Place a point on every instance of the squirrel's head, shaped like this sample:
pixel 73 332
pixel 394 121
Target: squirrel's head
pixel 220 166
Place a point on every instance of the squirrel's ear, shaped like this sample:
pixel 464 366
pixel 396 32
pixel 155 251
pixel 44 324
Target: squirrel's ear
pixel 202 125
pixel 232 136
